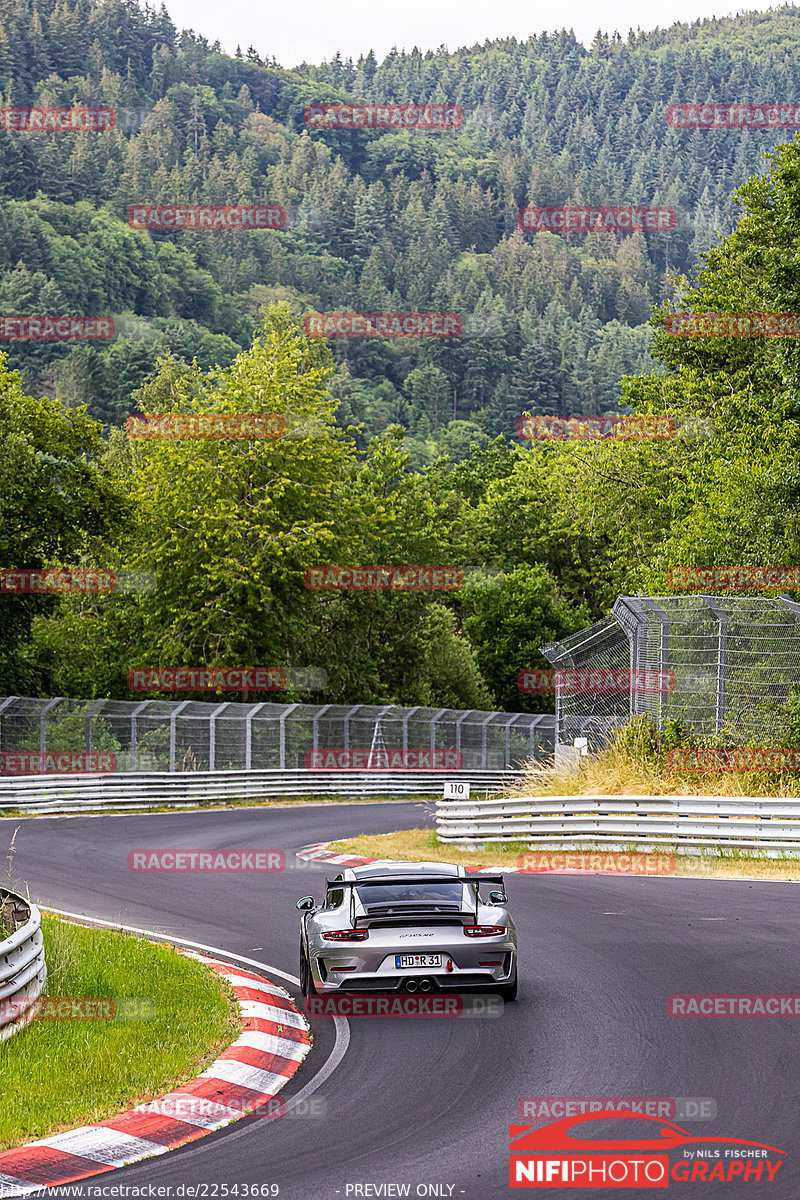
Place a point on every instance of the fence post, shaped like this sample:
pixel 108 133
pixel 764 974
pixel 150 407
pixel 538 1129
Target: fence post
pixel 212 734
pixel 409 714
pixel 315 728
pixel 173 720
pixel 535 722
pixel 43 731
pixel 282 734
pixel 248 735
pixel 434 719
pixel 483 740
pixel 346 723
pixel 89 714
pixel 459 721
pixel 8 700
pixel 135 732
pixel 508 737
pixel 722 657
pixel 663 657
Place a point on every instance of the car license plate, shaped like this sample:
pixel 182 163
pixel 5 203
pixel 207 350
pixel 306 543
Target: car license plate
pixel 417 960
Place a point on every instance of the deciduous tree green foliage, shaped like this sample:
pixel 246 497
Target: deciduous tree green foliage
pixel 57 505
pixel 725 490
pixel 230 526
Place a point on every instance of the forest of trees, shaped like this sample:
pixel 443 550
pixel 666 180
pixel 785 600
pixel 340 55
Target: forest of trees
pixel 377 220
pixel 400 452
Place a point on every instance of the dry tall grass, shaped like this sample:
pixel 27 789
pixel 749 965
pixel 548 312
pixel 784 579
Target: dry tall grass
pixel 634 764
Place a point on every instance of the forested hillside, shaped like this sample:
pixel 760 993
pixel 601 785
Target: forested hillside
pixel 226 529
pixel 377 220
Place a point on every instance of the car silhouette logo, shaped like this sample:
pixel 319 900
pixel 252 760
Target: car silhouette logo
pixel 557 1136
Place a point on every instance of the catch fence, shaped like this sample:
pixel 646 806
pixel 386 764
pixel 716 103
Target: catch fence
pixel 713 662
pixel 148 736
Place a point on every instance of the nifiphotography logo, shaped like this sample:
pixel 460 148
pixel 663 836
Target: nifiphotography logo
pixel 564 1155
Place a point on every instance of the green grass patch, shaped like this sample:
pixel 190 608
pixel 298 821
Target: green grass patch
pixel 174 1018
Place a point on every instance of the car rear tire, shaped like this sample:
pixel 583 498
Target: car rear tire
pixel 508 991
pixel 306 979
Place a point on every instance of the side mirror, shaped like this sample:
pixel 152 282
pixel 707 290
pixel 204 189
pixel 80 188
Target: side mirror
pixel 497 897
pixel 306 904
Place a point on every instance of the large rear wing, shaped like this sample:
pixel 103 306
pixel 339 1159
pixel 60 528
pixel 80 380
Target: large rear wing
pixel 381 880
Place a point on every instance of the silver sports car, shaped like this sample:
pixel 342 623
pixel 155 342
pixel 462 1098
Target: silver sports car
pixel 408 927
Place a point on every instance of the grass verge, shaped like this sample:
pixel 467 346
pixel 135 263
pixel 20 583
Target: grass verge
pixel 416 844
pixel 174 1018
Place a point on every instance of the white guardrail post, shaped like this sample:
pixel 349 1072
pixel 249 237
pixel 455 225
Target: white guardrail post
pixel 23 971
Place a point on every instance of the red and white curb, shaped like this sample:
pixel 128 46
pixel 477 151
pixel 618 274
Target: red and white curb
pixel 273 1044
pixel 321 853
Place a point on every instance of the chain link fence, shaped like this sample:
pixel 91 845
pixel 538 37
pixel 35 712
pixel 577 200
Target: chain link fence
pixel 708 661
pixel 45 736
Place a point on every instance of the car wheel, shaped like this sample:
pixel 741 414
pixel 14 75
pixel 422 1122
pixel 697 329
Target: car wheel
pixel 306 979
pixel 508 991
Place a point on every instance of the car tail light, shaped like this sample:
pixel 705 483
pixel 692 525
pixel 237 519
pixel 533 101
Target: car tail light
pixel 346 935
pixel 484 930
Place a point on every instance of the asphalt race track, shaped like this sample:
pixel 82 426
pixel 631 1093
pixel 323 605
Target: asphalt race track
pixel 429 1102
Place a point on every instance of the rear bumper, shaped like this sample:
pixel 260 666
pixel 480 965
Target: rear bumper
pixel 468 978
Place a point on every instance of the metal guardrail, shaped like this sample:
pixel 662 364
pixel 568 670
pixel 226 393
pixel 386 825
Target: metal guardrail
pixel 82 793
pixel 23 971
pixel 685 822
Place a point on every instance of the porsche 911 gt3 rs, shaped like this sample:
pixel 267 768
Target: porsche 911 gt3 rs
pixel 408 927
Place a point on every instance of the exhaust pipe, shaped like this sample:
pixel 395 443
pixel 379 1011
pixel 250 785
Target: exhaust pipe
pixel 425 985
pixel 411 985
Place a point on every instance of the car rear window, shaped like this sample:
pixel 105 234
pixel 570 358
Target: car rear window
pixel 433 894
